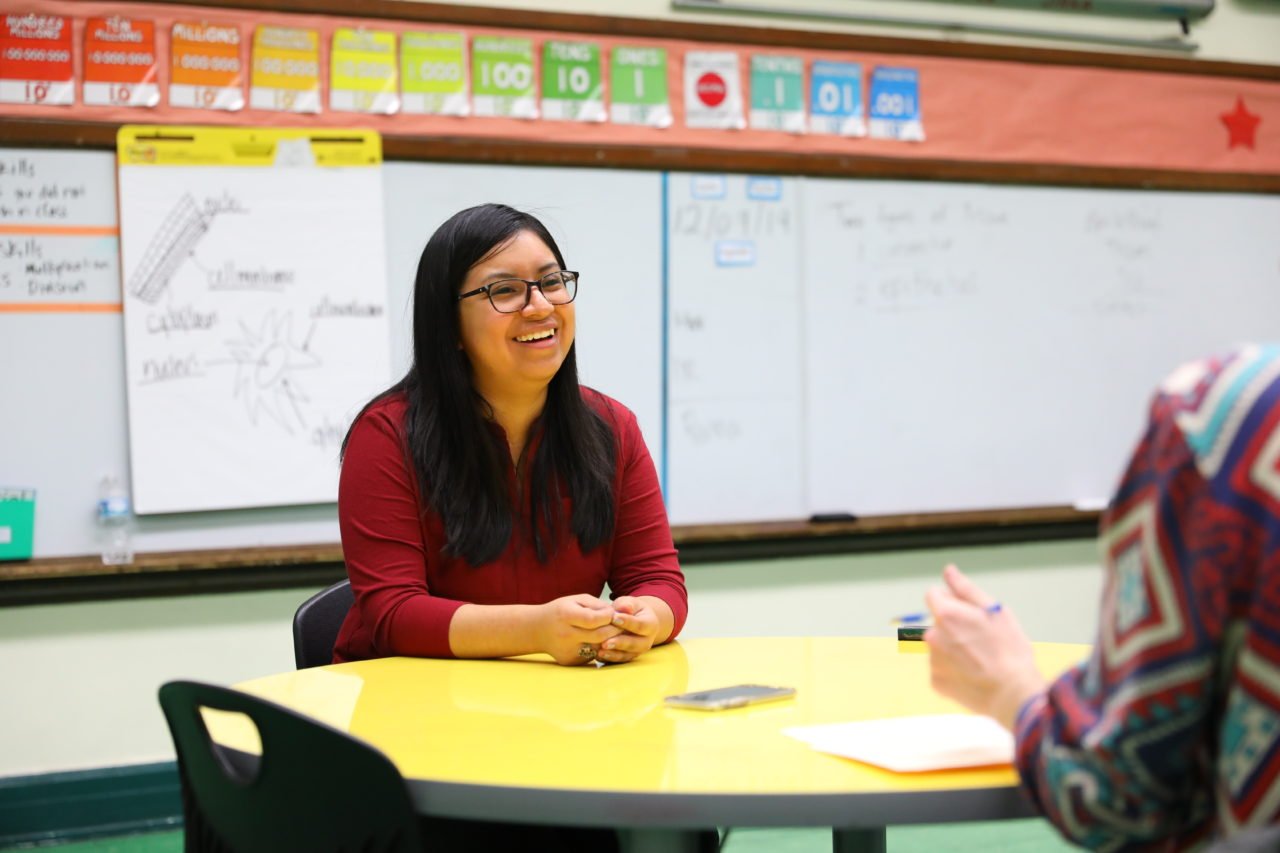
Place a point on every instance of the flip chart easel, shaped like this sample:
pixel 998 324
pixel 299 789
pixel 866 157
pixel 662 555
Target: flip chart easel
pixel 255 319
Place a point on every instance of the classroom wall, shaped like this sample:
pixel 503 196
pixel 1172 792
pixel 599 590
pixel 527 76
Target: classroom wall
pixel 80 680
pixel 1237 30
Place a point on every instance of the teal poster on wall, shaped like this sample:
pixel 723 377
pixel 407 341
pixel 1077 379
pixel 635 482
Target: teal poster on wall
pixel 17 523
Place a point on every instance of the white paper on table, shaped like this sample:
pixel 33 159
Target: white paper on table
pixel 913 744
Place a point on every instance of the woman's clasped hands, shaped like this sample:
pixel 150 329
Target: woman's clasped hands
pixel 613 632
pixel 638 626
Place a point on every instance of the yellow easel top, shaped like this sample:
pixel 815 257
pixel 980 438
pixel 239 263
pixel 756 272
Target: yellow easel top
pixel 178 145
pixel 527 722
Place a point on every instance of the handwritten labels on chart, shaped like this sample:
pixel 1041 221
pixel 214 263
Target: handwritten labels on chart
pixel 59 248
pixel 255 311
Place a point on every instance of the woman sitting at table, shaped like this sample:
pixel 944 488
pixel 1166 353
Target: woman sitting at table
pixel 487 498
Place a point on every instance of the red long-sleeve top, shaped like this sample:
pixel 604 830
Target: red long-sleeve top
pixel 407 590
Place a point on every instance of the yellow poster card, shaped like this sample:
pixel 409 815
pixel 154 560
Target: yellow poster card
pixel 362 75
pixel 286 70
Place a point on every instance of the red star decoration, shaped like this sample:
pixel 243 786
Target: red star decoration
pixel 1242 125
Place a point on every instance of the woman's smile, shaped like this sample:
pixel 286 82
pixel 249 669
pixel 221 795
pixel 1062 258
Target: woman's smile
pixel 542 338
pixel 520 351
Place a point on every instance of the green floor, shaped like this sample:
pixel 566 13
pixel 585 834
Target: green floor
pixel 1022 836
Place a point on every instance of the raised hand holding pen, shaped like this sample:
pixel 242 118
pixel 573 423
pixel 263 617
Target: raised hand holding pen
pixel 978 653
pixel 922 618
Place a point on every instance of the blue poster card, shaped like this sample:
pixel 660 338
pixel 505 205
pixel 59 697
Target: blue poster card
pixel 835 99
pixel 895 104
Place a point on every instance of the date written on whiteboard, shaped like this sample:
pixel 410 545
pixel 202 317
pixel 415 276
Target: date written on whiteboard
pixel 712 221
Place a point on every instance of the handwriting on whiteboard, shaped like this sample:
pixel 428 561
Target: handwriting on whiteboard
pixel 718 220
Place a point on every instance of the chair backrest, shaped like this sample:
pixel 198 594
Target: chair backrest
pixel 316 624
pixel 314 788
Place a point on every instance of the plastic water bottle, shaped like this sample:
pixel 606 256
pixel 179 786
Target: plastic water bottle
pixel 115 517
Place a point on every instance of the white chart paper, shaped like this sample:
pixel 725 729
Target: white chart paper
pixel 255 328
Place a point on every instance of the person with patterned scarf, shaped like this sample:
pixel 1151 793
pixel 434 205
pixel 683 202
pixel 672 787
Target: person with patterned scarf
pixel 1168 736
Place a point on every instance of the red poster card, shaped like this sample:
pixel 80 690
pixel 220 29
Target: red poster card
pixel 120 62
pixel 35 60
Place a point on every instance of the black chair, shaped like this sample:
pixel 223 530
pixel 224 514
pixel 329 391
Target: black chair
pixel 313 789
pixel 316 624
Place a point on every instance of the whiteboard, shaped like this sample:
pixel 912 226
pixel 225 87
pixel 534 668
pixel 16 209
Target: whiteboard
pixel 735 353
pixel 64 391
pixel 982 347
pixel 924 346
pixel 255 325
pixel 68 398
pixel 608 225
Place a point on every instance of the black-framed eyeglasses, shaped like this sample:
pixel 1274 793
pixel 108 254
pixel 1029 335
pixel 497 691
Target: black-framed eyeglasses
pixel 511 295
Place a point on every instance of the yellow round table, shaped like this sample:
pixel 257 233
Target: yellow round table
pixel 526 740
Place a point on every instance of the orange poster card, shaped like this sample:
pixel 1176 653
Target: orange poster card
pixel 35 60
pixel 286 70
pixel 120 67
pixel 208 71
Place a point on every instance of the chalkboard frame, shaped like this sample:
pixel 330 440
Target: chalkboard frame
pixel 82 578
pixel 65 579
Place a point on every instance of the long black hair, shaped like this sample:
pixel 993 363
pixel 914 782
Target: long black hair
pixel 459 464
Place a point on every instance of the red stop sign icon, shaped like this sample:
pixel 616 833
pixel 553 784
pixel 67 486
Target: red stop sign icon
pixel 711 89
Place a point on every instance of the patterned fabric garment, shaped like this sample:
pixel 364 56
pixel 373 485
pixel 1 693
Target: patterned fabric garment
pixel 1168 736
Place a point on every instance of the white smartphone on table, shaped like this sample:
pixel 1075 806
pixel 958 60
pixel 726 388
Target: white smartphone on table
pixel 730 697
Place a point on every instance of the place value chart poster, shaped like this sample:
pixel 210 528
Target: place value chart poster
pixel 253 269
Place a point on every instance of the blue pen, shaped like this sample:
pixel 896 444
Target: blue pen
pixel 922 618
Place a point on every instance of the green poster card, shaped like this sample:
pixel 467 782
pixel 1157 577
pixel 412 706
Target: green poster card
pixel 502 77
pixel 17 523
pixel 433 73
pixel 638 84
pixel 572 85
pixel 777 93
